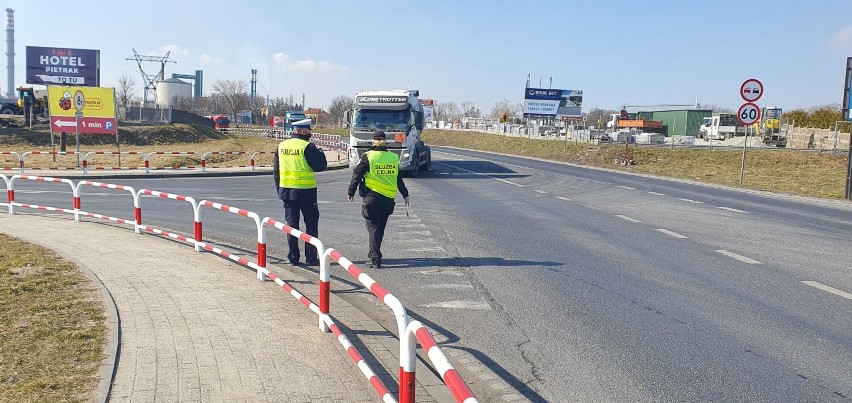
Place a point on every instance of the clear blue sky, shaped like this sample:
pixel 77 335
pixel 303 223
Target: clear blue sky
pixel 617 52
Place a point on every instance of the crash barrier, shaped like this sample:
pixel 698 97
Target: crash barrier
pixel 75 198
pixel 18 156
pixel 88 155
pixel 137 211
pixel 148 159
pixel 10 194
pixel 183 238
pixel 410 332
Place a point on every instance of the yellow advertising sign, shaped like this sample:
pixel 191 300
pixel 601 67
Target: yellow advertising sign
pixel 87 110
pixel 98 102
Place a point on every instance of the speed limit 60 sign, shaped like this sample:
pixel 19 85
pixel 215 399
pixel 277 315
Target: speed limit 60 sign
pixel 748 114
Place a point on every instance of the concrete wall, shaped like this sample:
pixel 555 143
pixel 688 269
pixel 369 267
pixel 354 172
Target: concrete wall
pixel 820 139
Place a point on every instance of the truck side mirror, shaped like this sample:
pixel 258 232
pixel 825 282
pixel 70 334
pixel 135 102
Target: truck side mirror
pixel 347 118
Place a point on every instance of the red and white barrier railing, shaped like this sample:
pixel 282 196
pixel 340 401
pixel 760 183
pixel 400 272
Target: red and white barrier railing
pixel 416 332
pixel 137 211
pixel 75 199
pixel 260 266
pixel 147 228
pixel 325 276
pixel 204 165
pixel 410 332
pixel 10 194
pixel 117 153
pixel 20 161
pixel 148 156
pixel 253 160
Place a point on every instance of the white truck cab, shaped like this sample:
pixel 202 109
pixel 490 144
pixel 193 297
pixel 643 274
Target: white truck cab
pixel 399 114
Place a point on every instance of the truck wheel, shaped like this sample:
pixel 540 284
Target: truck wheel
pixel 7 111
pixel 416 171
pixel 427 166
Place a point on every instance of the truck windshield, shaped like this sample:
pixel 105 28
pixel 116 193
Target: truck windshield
pixel 375 119
pixel 706 121
pixel 772 113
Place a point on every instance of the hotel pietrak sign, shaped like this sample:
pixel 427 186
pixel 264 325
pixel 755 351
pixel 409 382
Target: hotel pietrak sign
pixel 82 109
pixel 63 66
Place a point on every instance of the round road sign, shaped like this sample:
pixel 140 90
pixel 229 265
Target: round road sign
pixel 751 90
pixel 748 114
pixel 79 101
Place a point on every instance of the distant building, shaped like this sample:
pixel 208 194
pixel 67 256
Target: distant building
pixel 313 114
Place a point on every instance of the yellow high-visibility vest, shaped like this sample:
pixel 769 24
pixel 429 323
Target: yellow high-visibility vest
pixel 384 168
pixel 293 169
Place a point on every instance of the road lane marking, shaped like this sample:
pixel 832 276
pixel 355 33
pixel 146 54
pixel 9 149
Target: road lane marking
pixel 427 249
pixel 415 240
pixel 627 218
pixel 627 187
pixel 732 209
pixel 690 201
pixel 828 289
pixel 481 305
pixel 451 272
pixel 427 233
pixel 674 234
pixel 417 225
pixel 487 176
pixel 563 198
pixel 657 194
pixel 540 191
pixel 741 258
pixel 449 286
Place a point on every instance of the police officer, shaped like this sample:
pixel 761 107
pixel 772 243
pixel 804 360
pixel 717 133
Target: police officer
pixel 295 163
pixel 377 178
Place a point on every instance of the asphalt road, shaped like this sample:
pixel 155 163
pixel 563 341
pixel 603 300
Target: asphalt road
pixel 578 284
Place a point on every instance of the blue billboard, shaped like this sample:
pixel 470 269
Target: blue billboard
pixel 847 91
pixel 63 66
pixel 550 102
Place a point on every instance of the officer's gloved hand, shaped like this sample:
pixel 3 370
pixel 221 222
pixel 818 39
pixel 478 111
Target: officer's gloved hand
pixel 406 201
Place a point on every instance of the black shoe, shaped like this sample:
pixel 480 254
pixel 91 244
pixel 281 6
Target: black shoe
pixel 294 262
pixel 374 265
pixel 314 262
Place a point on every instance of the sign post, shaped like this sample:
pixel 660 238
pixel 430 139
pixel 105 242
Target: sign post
pixel 847 115
pixel 750 91
pixel 79 104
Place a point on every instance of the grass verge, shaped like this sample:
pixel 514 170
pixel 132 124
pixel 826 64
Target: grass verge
pixel 53 330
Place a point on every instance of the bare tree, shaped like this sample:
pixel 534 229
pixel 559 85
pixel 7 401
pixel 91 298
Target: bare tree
pixel 470 110
pixel 338 106
pixel 503 107
pixel 446 111
pixel 599 117
pixel 232 95
pixel 124 90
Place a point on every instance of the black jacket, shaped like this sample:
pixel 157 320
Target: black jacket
pixel 317 162
pixel 358 178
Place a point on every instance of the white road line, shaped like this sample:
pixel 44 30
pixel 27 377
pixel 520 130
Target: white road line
pixel 451 272
pixel 674 234
pixel 481 305
pixel 415 240
pixel 690 201
pixel 487 176
pixel 732 209
pixel 418 225
pixel 657 194
pixel 627 187
pixel 427 233
pixel 627 218
pixel 449 286
pixel 540 191
pixel 563 198
pixel 741 258
pixel 828 289
pixel 429 249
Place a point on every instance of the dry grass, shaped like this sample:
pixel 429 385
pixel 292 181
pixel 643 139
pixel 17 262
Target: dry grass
pixel 780 171
pixel 52 321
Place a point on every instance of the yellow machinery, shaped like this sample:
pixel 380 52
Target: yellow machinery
pixel 769 126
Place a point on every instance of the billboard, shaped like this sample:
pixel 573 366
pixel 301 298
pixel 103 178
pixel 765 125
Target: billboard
pixel 550 102
pixel 428 110
pixel 82 109
pixel 847 91
pixel 63 66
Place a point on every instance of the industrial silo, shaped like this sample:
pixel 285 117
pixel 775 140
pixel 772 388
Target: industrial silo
pixel 170 88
